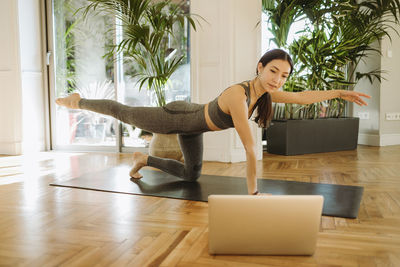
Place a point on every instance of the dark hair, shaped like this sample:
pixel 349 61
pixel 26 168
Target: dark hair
pixel 264 103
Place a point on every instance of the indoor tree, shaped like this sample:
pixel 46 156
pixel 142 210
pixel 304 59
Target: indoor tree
pixel 337 37
pixel 148 27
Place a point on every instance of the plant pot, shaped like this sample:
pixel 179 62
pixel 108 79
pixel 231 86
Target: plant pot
pixel 294 137
pixel 165 146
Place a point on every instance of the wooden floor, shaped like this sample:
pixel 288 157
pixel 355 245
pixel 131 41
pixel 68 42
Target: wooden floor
pixel 42 225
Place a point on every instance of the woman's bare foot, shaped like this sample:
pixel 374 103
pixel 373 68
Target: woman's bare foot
pixel 70 101
pixel 139 161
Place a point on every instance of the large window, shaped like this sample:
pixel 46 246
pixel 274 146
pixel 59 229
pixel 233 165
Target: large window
pixel 266 44
pixel 79 65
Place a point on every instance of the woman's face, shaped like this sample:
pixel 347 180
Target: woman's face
pixel 274 74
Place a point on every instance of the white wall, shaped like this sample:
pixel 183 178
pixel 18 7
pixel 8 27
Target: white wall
pixel 377 131
pixel 22 123
pixel 33 93
pixel 10 80
pixel 369 128
pixel 224 51
pixel 390 91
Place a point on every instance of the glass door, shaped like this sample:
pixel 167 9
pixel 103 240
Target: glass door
pixel 78 64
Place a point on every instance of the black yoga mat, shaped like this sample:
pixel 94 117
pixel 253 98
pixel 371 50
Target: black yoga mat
pixel 339 200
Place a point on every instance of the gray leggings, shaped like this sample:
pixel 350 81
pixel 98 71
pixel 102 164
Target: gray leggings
pixel 179 117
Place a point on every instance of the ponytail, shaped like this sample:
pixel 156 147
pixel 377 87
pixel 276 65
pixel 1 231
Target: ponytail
pixel 264 111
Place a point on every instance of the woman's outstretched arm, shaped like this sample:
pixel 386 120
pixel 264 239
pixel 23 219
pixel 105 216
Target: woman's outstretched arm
pixel 308 97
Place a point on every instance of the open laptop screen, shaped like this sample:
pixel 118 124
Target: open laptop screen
pixel 266 225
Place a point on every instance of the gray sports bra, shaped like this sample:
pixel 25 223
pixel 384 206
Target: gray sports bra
pixel 221 119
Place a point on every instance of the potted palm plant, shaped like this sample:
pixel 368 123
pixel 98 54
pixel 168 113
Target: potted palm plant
pixel 337 37
pixel 148 27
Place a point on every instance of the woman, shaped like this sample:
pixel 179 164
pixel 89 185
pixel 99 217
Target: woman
pixel 232 108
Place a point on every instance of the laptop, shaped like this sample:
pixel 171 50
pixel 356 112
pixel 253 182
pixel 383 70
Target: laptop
pixel 264 225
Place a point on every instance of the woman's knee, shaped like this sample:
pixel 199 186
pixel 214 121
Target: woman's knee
pixel 193 173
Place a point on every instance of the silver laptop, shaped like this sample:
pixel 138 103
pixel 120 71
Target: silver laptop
pixel 264 225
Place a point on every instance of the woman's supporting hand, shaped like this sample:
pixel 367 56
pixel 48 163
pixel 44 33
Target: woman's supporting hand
pixel 353 96
pixel 263 194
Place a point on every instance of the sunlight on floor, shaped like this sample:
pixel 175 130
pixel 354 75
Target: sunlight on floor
pixel 29 167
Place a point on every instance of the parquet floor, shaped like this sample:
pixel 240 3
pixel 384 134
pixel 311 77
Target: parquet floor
pixel 42 225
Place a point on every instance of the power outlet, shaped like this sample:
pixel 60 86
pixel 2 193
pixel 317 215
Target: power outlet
pixel 363 115
pixel 393 116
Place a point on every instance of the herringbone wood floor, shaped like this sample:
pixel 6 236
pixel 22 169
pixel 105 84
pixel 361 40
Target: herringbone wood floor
pixel 42 225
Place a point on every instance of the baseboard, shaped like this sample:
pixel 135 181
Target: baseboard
pixel 11 148
pixel 390 139
pixel 379 140
pixel 31 146
pixel 238 156
pixel 368 139
pixel 215 154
